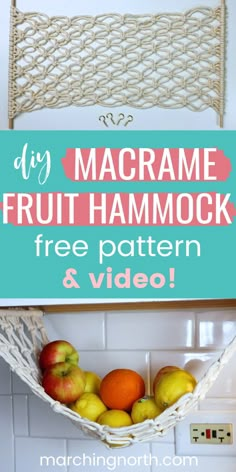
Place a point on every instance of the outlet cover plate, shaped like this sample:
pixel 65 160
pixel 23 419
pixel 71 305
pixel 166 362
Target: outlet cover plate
pixel 184 445
pixel 211 433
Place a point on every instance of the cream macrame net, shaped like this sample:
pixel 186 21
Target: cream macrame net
pixel 168 60
pixel 22 336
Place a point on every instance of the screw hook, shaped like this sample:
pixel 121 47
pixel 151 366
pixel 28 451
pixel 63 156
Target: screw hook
pixel 121 117
pixel 103 119
pixel 110 116
pixel 129 120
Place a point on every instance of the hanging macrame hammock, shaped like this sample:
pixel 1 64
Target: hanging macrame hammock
pixel 22 336
pixel 166 60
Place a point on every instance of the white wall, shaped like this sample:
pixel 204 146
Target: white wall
pixel 144 341
pixel 86 118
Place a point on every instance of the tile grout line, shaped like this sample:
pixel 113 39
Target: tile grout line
pixel 149 373
pixel 13 432
pixel 14 452
pixel 196 327
pixel 66 451
pixel 105 331
pixel 180 350
pixel 151 468
pixel 28 415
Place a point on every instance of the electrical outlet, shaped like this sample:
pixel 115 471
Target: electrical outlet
pixel 210 423
pixel 211 433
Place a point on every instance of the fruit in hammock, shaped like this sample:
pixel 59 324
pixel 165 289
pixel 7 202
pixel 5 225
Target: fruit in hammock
pixel 162 371
pixel 92 382
pixel 145 408
pixel 58 351
pixel 115 418
pixel 89 405
pixel 64 382
pixel 120 388
pixel 172 386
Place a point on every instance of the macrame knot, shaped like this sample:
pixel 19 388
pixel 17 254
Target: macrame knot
pixel 19 17
pixel 109 43
pixel 45 54
pixel 20 71
pixel 109 29
pixel 20 36
pixel 67 54
pixel 167 94
pixel 56 406
pixel 215 13
pixel 19 53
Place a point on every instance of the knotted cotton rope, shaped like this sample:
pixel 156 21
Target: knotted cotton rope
pixel 22 336
pixel 168 60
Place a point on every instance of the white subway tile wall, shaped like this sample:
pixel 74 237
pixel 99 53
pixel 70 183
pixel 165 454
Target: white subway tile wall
pixel 172 330
pixel 31 454
pixel 143 341
pixel 216 329
pixel 20 415
pixel 95 456
pixel 6 433
pixel 108 360
pixel 5 378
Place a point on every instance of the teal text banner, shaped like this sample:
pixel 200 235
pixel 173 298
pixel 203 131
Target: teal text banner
pixel 188 251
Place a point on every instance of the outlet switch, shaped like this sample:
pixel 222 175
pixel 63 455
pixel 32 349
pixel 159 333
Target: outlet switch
pixel 211 433
pixel 206 433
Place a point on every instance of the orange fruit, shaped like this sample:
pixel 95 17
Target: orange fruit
pixel 161 372
pixel 120 388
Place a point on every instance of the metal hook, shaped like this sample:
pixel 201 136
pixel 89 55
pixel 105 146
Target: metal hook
pixel 129 120
pixel 103 119
pixel 110 116
pixel 121 117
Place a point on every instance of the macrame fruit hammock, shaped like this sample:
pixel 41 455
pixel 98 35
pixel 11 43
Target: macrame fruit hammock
pixel 22 337
pixel 166 60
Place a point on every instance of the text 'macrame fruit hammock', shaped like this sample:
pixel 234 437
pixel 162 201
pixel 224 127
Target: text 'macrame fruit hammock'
pixel 22 337
pixel 166 60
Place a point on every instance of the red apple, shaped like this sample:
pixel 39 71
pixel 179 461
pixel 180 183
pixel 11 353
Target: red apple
pixel 64 382
pixel 58 351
